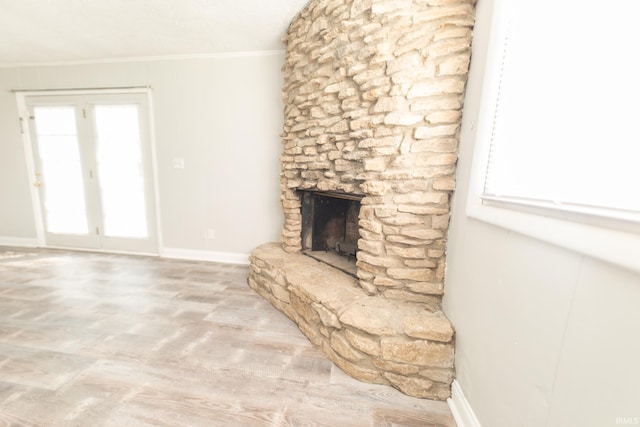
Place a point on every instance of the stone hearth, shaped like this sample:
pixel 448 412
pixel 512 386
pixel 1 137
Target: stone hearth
pixel 373 93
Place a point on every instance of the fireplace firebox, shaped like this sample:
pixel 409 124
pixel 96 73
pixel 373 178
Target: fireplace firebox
pixel 330 228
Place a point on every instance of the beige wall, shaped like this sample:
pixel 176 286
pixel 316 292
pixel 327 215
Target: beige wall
pixel 544 336
pixel 222 115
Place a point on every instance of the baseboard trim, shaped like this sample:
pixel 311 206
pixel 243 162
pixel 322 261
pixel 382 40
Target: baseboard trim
pixel 195 255
pixel 460 408
pixel 18 242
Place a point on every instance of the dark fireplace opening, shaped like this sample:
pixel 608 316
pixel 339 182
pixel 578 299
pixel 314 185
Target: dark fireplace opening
pixel 330 228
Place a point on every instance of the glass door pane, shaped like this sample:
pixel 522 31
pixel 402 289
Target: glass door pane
pixel 63 190
pixel 120 171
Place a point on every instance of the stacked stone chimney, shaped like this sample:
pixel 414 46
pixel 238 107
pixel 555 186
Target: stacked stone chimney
pixel 373 93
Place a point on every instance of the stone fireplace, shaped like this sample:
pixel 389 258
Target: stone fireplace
pixel 373 93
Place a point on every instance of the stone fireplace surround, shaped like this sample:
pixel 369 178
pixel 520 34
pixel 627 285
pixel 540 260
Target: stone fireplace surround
pixel 373 93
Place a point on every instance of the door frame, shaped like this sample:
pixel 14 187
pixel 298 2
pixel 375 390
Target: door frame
pixel 23 114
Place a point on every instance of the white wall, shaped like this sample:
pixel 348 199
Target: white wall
pixel 544 336
pixel 222 115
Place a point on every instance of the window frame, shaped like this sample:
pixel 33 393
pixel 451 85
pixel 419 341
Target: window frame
pixel 610 240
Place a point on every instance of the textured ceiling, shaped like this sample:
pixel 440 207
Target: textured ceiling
pixel 50 31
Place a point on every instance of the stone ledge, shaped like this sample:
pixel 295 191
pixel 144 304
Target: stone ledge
pixel 373 339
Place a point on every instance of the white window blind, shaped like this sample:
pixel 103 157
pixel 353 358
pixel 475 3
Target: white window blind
pixel 566 134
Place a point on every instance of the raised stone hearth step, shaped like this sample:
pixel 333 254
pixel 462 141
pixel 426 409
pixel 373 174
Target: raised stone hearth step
pixel 377 340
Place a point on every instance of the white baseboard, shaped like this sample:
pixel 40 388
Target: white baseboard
pixel 460 408
pixel 195 255
pixel 18 242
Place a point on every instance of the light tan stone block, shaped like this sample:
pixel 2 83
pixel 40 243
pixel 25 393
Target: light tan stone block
pixel 340 127
pixel 291 204
pixel 446 183
pixel 425 132
pixel 404 80
pixel 402 219
pixel 386 141
pixel 458 64
pixel 430 302
pixel 417 352
pixel 408 186
pixel 375 164
pixel 356 155
pixel 302 305
pixel 368 287
pixel 403 118
pixel 373 247
pixel 447 116
pixel 420 198
pixel 442 375
pixel 378 316
pixel 365 343
pixel 453 33
pixel 373 226
pixel 337 87
pixel 413 386
pixel 404 252
pixel 442 159
pixel 342 165
pixel 387 282
pixel 368 235
pixel 416 274
pixel 450 85
pixel 422 233
pixel 324 331
pixel 436 145
pixel 367 212
pixel 440 222
pixel 327 317
pixel 388 103
pixel 426 288
pixel 432 171
pixel 374 94
pixel 280 292
pixel 341 346
pixel 448 46
pixel 411 60
pixel 357 371
pixel 327 185
pixel 358 7
pixel 420 263
pixel 362 134
pixel 385 7
pixel 375 188
pixel 435 103
pixel 450 8
pixel 310 332
pixel 435 253
pixel 376 260
pixel 428 326
pixel 318 112
pixel 405 240
pixel 385 211
pixel 375 83
pixel 399 368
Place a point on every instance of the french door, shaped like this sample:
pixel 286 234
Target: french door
pixel 92 167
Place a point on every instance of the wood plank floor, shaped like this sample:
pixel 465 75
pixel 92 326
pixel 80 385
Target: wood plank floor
pixel 91 339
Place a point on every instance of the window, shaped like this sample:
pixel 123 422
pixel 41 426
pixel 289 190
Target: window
pixel 558 149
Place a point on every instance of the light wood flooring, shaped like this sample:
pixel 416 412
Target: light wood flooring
pixel 91 339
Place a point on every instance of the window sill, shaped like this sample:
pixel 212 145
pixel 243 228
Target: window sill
pixel 618 247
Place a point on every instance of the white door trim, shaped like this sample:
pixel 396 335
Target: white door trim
pixel 23 113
